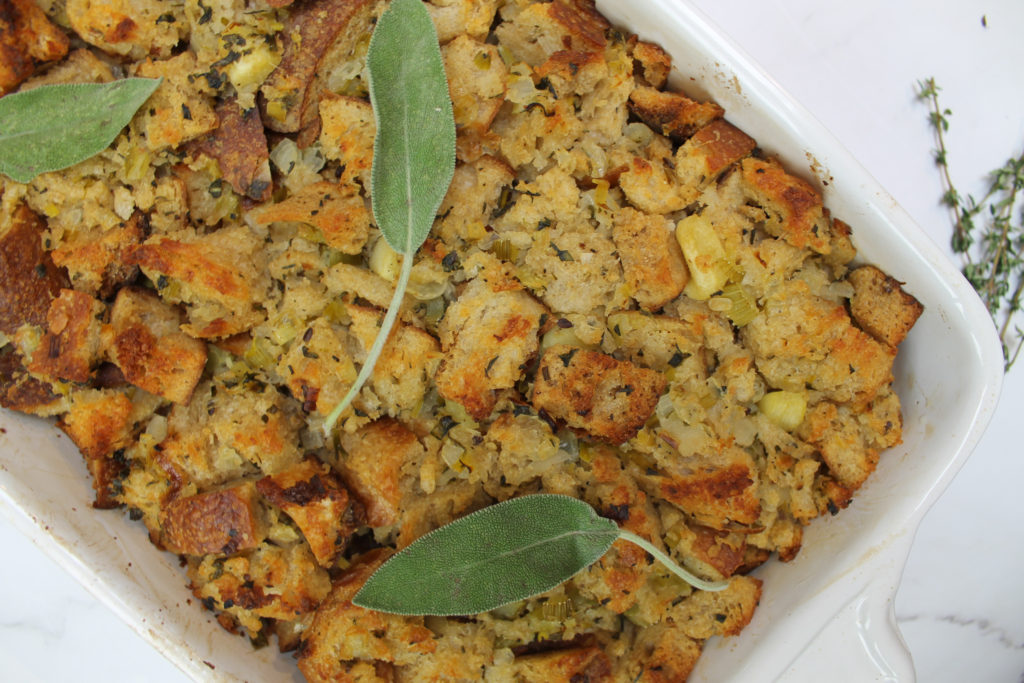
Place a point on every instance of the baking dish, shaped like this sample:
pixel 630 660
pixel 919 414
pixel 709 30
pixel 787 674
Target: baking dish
pixel 832 605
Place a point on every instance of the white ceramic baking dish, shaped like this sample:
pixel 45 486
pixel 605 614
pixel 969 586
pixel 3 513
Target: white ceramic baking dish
pixel 828 611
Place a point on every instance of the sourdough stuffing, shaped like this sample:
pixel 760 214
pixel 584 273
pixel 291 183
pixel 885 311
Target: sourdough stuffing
pixel 623 299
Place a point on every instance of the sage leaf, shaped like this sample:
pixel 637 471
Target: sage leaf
pixel 52 127
pixel 497 555
pixel 413 151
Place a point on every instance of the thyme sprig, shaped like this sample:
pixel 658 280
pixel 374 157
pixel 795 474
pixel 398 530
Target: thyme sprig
pixel 988 233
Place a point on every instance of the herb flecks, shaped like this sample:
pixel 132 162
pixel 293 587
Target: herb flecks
pixel 413 151
pixel 52 127
pixel 504 553
pixel 987 233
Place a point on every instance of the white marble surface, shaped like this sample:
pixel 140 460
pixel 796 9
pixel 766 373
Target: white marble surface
pixel 961 601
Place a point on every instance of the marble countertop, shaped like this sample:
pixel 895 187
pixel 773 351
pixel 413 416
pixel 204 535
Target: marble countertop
pixel 960 605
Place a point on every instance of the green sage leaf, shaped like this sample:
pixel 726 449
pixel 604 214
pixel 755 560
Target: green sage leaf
pixel 413 151
pixel 52 127
pixel 497 555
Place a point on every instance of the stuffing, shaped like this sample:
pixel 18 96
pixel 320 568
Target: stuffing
pixel 71 345
pixel 347 129
pixel 145 341
pixel 620 299
pixel 177 112
pixel 219 275
pixel 607 398
pixel 375 462
pixel 27 38
pixel 337 211
pixel 488 335
pixel 29 277
pixel 318 36
pixel 219 521
pixel 239 144
pixel 129 28
pixel 672 114
pixel 881 307
pixel 652 263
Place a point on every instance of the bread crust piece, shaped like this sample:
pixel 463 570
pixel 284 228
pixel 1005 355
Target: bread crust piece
pixel 589 664
pixel 221 521
pixel 319 504
pixel 488 336
pixel 29 280
pixel 337 211
pixel 26 37
pixel 372 467
pixel 672 114
pixel 318 34
pixel 881 307
pixel 71 345
pixel 239 144
pixel 609 399
pixel 652 262
pixel 145 340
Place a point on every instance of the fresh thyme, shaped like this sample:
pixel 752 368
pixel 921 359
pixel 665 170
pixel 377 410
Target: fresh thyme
pixel 987 233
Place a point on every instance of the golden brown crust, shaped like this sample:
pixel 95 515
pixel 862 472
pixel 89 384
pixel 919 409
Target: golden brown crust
pixel 239 144
pixel 589 390
pixel 27 37
pixel 222 521
pixel 176 112
pixel 29 280
pixel 96 264
pixel 71 345
pixel 101 424
pixel 652 262
pixel 316 33
pixel 338 211
pixel 717 491
pixel 317 502
pixel 588 664
pixel 662 654
pixel 672 114
pixel 652 63
pixel 144 340
pixel 372 467
pixel 793 207
pixel 881 307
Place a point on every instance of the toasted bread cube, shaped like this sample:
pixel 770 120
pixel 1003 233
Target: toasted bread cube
pixel 672 114
pixel 543 28
pixel 338 211
pixel 572 664
pixel 144 339
pixel 221 276
pixel 652 262
pixel 29 280
pixel 453 18
pixel 610 399
pixel 317 37
pixel 655 64
pixel 488 335
pixel 793 209
pixel 355 282
pixel 222 521
pixel 26 37
pixel 347 129
pixel 473 197
pixel 662 653
pixel 477 80
pixel 270 582
pixel 177 111
pixel 717 490
pixel 406 364
pixel 838 435
pixel 131 28
pixel 881 307
pixel 376 460
pixel 95 263
pixel 20 391
pixel 707 154
pixel 342 632
pixel 239 144
pixel 102 423
pixel 319 504
pixel 651 186
pixel 711 552
pixel 719 613
pixel 71 345
pixel 317 369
